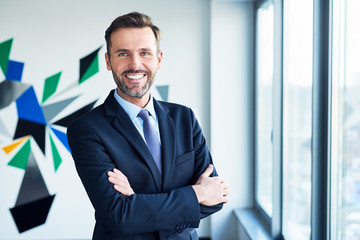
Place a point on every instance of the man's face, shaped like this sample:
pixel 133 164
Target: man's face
pixel 133 60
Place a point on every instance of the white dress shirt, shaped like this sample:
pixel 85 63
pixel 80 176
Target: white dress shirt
pixel 133 110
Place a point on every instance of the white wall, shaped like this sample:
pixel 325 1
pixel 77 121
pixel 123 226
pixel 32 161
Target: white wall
pixel 232 75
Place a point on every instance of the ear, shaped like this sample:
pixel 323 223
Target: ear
pixel 107 59
pixel 160 56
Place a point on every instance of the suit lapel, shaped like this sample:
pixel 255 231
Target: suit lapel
pixel 167 135
pixel 123 124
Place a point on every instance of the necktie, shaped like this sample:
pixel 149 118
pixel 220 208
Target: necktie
pixel 151 138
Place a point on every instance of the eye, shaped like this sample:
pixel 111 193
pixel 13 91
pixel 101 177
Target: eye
pixel 144 53
pixel 122 54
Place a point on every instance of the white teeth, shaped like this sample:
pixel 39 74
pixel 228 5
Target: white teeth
pixel 135 77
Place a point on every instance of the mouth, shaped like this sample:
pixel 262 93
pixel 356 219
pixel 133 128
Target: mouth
pixel 135 76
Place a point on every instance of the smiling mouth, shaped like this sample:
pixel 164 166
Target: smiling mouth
pixel 135 76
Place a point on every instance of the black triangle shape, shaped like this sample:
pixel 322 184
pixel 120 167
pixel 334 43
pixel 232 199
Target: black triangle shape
pixel 33 214
pixel 65 122
pixel 25 128
pixel 86 61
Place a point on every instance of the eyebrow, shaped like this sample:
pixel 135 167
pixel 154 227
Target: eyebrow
pixel 145 49
pixel 121 50
pixel 127 50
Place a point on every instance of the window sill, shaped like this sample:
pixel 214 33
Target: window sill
pixel 250 226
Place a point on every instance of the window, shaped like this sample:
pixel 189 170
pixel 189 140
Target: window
pixel 319 105
pixel 297 118
pixel 345 128
pixel 264 104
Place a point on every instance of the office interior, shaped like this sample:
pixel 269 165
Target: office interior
pixel 274 85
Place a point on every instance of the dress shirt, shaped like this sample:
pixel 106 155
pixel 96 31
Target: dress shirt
pixel 132 111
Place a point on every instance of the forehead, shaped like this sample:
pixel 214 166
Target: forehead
pixel 132 38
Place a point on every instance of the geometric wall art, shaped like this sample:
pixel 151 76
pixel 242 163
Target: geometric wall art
pixel 163 91
pixel 34 124
pixel 40 122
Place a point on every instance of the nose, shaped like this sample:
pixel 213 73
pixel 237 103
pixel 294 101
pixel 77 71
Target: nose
pixel 135 62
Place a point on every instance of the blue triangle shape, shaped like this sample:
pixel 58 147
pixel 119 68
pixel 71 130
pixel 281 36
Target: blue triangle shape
pixel 28 107
pixel 62 137
pixel 14 71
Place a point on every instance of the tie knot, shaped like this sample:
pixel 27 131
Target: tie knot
pixel 144 115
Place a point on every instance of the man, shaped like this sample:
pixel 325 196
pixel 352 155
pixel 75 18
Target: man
pixel 144 163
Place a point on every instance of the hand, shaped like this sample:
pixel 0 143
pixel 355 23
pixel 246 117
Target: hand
pixel 120 181
pixel 211 190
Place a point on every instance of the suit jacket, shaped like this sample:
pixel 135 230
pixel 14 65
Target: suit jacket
pixel 163 206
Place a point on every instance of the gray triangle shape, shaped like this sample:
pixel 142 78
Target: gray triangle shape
pixel 164 92
pixel 33 186
pixel 10 91
pixel 51 110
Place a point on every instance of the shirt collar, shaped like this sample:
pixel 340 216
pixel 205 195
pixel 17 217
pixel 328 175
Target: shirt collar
pixel 132 110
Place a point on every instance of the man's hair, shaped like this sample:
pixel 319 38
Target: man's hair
pixel 132 20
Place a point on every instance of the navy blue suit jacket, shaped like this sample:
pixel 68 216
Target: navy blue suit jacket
pixel 163 206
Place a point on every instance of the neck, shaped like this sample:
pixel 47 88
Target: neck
pixel 140 102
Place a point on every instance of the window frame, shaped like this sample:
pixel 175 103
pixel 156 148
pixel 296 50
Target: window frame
pixel 321 112
pixel 321 123
pixel 260 212
pixel 273 224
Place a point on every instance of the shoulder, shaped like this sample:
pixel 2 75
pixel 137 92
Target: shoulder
pixel 177 112
pixel 175 108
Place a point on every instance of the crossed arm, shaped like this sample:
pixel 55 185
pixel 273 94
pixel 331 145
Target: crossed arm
pixel 209 190
pixel 93 155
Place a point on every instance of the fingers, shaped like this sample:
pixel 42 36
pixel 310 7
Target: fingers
pixel 120 181
pixel 219 179
pixel 117 171
pixel 124 190
pixel 116 177
pixel 213 190
pixel 208 171
pixel 224 189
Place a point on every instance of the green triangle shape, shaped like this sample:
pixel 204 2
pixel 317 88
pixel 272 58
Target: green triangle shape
pixel 22 156
pixel 93 69
pixel 56 156
pixel 5 48
pixel 50 86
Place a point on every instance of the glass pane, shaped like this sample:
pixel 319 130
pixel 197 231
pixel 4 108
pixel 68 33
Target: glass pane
pixel 264 108
pixel 297 108
pixel 346 121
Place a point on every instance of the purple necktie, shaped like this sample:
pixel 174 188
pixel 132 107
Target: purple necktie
pixel 151 138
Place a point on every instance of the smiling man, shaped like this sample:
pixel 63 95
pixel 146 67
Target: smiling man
pixel 133 58
pixel 144 163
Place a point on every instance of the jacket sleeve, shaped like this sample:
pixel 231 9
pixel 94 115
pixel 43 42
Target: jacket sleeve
pixel 140 213
pixel 203 159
